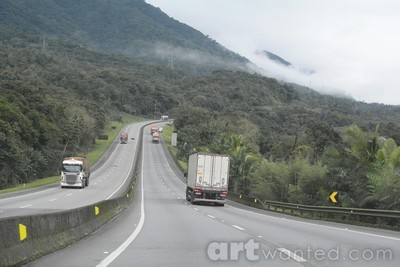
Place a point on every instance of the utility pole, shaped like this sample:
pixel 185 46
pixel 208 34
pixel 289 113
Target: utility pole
pixel 44 45
pixel 155 109
pixel 171 61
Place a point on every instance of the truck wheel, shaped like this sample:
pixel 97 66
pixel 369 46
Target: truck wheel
pixel 192 199
pixel 187 194
pixel 86 182
pixel 83 184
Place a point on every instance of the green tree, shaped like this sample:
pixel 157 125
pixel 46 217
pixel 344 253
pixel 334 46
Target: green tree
pixel 270 180
pixel 307 180
pixel 243 160
pixel 386 177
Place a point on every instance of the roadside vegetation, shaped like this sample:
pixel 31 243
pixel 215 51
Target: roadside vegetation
pixel 362 166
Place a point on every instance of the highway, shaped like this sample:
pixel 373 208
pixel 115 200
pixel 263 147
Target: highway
pixel 161 228
pixel 106 181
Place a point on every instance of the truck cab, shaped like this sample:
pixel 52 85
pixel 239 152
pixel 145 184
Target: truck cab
pixel 75 172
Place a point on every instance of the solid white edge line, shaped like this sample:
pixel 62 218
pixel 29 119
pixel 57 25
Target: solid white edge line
pixel 292 255
pixel 111 257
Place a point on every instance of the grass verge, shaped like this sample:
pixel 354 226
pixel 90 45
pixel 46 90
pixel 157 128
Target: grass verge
pixel 167 134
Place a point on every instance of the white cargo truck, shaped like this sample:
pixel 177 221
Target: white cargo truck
pixel 75 172
pixel 208 178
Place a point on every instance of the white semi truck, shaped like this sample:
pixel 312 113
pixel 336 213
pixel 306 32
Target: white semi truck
pixel 207 178
pixel 75 172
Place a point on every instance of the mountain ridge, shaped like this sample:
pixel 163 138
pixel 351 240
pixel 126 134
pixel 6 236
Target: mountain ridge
pixel 133 28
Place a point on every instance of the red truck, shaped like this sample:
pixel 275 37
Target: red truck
pixel 123 138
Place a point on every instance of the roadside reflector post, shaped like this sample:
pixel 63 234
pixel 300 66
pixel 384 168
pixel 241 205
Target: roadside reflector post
pixel 22 232
pixel 96 210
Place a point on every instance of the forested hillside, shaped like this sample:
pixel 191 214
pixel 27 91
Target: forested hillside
pixel 286 142
pixel 130 27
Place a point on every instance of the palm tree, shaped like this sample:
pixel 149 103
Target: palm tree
pixel 386 178
pixel 242 161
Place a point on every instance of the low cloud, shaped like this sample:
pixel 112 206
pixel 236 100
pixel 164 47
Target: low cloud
pixel 352 45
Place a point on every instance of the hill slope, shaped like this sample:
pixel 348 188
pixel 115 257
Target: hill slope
pixel 131 27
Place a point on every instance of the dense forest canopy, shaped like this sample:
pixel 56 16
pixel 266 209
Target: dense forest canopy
pixel 66 71
pixel 129 27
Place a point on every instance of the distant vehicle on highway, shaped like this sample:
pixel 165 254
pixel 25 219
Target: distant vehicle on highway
pixel 156 137
pixel 208 178
pixel 153 129
pixel 75 172
pixel 123 138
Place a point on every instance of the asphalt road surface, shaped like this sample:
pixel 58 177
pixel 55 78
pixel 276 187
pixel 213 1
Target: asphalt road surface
pixel 161 228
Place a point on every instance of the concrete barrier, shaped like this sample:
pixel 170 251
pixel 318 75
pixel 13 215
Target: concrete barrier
pixel 25 238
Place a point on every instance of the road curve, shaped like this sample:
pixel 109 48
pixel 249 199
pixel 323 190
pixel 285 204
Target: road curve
pixel 106 181
pixel 162 228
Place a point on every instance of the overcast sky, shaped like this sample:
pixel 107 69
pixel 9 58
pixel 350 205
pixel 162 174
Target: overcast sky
pixel 352 45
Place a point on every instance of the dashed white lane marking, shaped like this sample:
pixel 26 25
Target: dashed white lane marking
pixel 196 209
pixel 68 195
pixel 211 216
pixel 238 227
pixel 22 207
pixel 292 255
pixel 54 199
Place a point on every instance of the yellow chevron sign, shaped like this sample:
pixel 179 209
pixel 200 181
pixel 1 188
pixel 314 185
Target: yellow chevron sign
pixel 333 197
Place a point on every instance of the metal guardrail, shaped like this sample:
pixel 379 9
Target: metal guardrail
pixel 370 216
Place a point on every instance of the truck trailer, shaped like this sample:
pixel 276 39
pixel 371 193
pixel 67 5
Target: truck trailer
pixel 207 178
pixel 75 172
